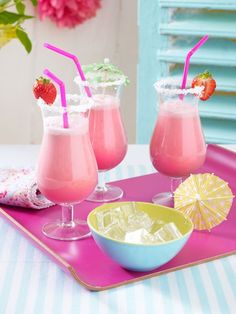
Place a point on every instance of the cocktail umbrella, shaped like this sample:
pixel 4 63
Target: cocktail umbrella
pixel 205 198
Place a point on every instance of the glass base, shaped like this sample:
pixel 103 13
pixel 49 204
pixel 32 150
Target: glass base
pixel 76 230
pixel 109 194
pixel 165 199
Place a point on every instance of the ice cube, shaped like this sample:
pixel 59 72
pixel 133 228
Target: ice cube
pixel 148 238
pixel 126 218
pixel 167 233
pixel 115 232
pixel 131 218
pixel 139 220
pixel 136 236
pixel 123 223
pixel 160 236
pixel 105 219
pixel 122 214
pixel 141 236
pixel 129 209
pixel 173 230
pixel 120 217
pixel 157 224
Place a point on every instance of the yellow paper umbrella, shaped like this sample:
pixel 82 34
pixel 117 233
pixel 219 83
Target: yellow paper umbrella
pixel 205 198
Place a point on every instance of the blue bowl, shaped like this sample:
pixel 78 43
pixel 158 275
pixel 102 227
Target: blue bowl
pixel 142 257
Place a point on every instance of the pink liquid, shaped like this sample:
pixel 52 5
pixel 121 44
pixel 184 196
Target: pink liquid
pixel 67 171
pixel 107 132
pixel 177 146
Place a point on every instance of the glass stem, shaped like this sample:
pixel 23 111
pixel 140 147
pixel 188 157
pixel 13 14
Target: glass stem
pixel 101 186
pixel 174 183
pixel 68 216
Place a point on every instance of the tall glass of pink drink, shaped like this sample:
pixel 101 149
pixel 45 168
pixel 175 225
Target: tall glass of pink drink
pixel 67 170
pixel 107 135
pixel 177 146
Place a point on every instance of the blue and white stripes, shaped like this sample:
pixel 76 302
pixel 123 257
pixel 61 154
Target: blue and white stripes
pixel 31 283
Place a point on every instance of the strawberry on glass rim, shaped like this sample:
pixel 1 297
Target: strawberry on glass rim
pixel 45 89
pixel 206 80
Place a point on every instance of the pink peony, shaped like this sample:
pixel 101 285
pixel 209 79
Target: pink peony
pixel 68 13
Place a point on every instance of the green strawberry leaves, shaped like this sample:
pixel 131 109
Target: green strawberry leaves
pixel 205 75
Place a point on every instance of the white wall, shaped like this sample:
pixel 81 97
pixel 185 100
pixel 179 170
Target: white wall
pixel 113 34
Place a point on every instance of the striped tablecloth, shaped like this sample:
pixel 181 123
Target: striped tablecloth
pixel 31 283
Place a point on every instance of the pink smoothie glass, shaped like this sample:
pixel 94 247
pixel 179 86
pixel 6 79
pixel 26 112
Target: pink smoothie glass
pixel 177 146
pixel 67 169
pixel 107 135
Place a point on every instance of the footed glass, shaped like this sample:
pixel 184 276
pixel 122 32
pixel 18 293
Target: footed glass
pixel 177 146
pixel 107 135
pixel 67 170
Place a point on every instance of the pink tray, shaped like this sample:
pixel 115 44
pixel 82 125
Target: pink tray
pixel 93 269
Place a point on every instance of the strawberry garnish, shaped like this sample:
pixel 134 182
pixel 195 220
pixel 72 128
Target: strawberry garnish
pixel 205 79
pixel 45 89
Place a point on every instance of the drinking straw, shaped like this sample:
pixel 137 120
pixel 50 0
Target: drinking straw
pixel 187 59
pixel 63 95
pixel 76 61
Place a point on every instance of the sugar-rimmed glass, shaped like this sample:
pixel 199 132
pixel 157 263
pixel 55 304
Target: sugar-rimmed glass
pixel 177 146
pixel 67 170
pixel 107 134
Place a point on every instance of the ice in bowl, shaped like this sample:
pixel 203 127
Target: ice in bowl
pixel 139 236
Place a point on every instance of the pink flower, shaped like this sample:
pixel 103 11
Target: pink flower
pixel 68 13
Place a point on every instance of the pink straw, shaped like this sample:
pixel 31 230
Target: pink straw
pixel 63 95
pixel 187 60
pixel 76 61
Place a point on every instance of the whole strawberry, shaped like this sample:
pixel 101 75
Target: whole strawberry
pixel 45 89
pixel 205 79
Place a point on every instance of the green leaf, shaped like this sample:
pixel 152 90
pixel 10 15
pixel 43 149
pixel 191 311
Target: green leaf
pixel 34 2
pixel 24 39
pixel 20 7
pixel 10 17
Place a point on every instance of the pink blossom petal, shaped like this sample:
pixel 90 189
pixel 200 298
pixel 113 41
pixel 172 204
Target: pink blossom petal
pixel 68 13
pixel 72 4
pixel 57 3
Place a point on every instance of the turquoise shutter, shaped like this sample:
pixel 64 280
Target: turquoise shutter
pixel 168 29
